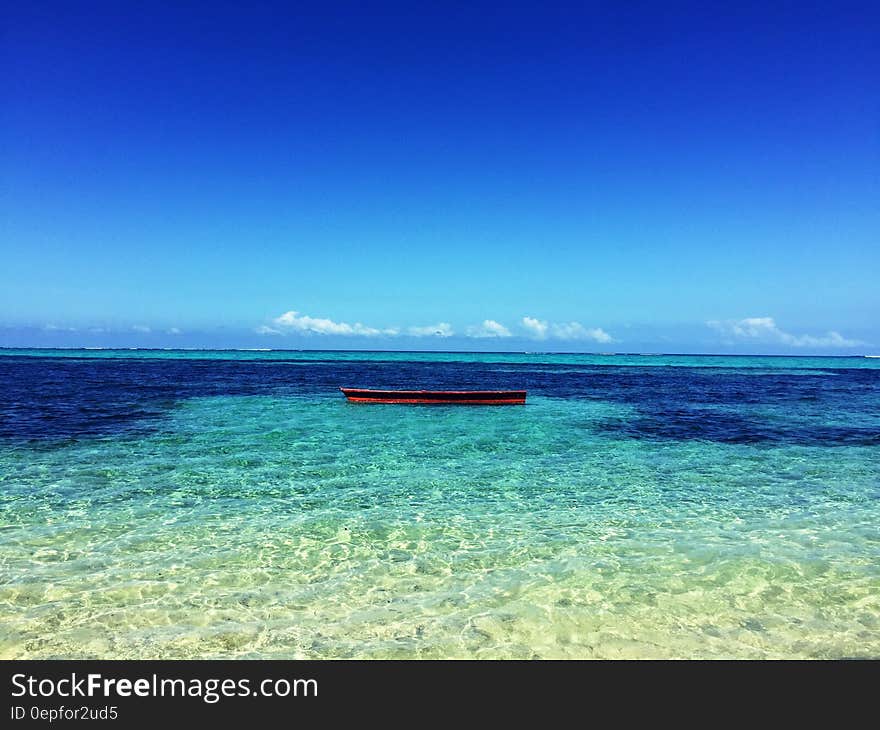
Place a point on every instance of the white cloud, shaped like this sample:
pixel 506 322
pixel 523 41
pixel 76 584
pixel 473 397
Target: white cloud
pixel 537 328
pixel 295 322
pixel 441 329
pixel 576 331
pixel 489 328
pixel 174 331
pixel 56 328
pixel 141 328
pixel 540 330
pixel 764 329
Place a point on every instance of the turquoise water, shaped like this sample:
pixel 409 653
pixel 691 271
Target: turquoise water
pixel 208 505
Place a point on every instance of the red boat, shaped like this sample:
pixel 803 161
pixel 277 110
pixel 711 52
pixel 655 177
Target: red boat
pixel 459 397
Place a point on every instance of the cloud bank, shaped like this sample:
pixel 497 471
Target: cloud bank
pixel 764 329
pixel 441 329
pixel 541 330
pixel 489 328
pixel 535 327
pixel 294 322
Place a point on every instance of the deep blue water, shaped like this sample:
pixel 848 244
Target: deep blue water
pixel 68 397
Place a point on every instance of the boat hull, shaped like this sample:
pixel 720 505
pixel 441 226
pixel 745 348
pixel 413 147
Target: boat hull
pixel 456 397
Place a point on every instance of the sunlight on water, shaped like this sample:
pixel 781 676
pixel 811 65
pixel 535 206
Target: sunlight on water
pixel 301 526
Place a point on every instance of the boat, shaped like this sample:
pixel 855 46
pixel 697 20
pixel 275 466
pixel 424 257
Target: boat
pixel 458 397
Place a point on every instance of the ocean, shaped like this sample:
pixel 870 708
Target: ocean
pixel 192 504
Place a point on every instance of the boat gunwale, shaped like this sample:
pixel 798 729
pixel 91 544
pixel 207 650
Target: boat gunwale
pixel 436 397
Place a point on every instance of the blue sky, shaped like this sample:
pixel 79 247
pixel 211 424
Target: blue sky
pixel 656 177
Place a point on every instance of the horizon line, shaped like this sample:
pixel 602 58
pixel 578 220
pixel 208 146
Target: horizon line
pixel 439 352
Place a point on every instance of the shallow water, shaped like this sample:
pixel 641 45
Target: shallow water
pixel 234 505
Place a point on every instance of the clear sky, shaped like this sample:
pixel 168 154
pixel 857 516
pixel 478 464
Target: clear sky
pixel 608 176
